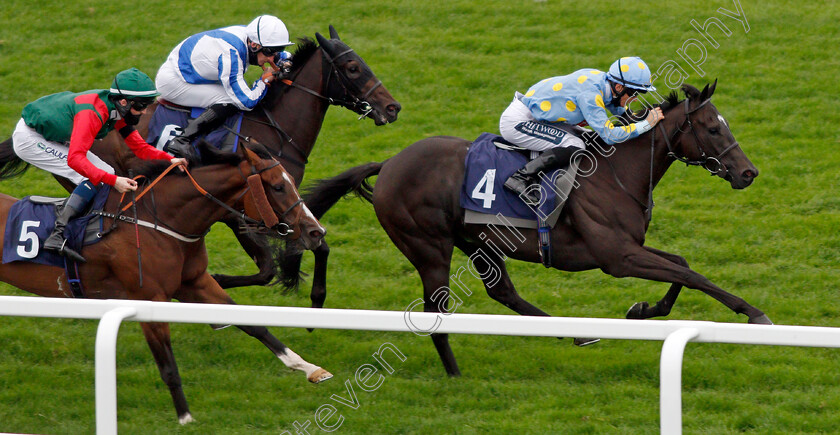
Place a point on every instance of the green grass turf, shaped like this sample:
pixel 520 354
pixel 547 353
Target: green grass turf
pixel 454 66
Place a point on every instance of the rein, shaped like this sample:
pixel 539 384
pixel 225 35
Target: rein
pixel 250 182
pixel 709 163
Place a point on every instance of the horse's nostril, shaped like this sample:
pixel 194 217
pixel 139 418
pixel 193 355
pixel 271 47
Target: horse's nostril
pixel 749 174
pixel 315 234
pixel 393 109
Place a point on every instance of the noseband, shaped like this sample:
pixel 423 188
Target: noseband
pixel 707 162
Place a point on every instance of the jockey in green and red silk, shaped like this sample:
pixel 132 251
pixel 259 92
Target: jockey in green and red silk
pixel 580 98
pixel 55 133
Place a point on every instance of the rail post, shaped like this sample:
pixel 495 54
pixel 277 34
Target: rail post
pixel 106 369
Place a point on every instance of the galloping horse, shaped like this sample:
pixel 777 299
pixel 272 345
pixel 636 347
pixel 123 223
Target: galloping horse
pixel 174 260
pixel 287 122
pixel 603 224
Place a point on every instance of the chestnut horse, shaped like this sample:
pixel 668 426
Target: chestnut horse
pixel 287 121
pixel 174 258
pixel 602 225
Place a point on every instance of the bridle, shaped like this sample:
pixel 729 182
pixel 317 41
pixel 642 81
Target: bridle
pixel 707 162
pixel 253 186
pixel 358 105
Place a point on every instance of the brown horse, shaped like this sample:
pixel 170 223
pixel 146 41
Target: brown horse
pixel 603 224
pixel 174 262
pixel 287 121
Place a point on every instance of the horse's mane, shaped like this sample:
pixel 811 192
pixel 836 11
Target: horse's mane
pixel 306 47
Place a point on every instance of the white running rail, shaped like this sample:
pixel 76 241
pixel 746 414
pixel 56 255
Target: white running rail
pixel 675 334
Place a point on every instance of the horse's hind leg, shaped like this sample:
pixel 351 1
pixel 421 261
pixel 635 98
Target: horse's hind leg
pixel 431 256
pixel 157 336
pixel 641 263
pixel 206 290
pixel 642 310
pixel 496 279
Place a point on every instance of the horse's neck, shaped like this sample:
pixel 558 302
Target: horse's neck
pixel 299 113
pixel 176 202
pixel 635 167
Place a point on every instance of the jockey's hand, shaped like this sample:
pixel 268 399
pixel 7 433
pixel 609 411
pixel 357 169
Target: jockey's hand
pixel 125 184
pixel 654 116
pixel 179 161
pixel 268 76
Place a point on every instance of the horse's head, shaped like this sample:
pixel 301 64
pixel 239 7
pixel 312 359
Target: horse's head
pixel 707 141
pixel 273 199
pixel 355 84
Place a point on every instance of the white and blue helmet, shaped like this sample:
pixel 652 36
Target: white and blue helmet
pixel 268 31
pixel 632 72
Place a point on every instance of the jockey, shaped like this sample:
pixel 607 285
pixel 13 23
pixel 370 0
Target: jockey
pixel 55 133
pixel 207 70
pixel 582 97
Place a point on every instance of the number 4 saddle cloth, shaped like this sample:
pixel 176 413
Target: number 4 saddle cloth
pixel 31 220
pixel 490 161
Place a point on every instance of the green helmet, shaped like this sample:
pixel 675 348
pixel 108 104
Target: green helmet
pixel 133 84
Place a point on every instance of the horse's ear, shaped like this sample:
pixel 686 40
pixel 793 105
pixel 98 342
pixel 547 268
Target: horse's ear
pixel 323 42
pixel 253 158
pixel 333 33
pixel 690 91
pixel 712 89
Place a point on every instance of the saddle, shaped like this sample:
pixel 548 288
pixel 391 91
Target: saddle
pixel 170 119
pixel 490 161
pixel 32 219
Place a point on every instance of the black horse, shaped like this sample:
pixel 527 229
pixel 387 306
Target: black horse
pixel 603 224
pixel 287 121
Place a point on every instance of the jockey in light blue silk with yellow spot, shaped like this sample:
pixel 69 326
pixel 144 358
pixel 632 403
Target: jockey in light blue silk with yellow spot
pixel 534 120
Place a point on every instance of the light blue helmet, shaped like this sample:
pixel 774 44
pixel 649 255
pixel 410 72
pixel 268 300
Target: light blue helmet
pixel 631 72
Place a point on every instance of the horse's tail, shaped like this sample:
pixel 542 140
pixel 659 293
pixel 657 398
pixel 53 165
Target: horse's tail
pixel 326 193
pixel 321 197
pixel 10 164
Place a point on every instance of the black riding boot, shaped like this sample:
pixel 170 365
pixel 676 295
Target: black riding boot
pixel 212 118
pixel 56 242
pixel 529 174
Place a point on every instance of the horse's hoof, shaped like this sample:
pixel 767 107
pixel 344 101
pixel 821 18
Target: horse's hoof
pixel 319 376
pixel 310 329
pixel 637 310
pixel 761 320
pixel 186 418
pixel 580 342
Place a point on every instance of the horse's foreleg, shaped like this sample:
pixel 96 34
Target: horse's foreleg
pixel 206 290
pixel 261 253
pixel 641 263
pixel 319 276
pixel 642 310
pixel 157 336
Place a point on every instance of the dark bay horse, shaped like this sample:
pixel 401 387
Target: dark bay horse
pixel 602 225
pixel 174 263
pixel 287 121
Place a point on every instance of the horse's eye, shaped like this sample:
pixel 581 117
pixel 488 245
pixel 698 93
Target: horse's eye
pixel 714 130
pixel 279 188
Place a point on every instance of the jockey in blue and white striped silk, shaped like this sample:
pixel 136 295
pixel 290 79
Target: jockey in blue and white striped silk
pixel 208 70
pixel 582 97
